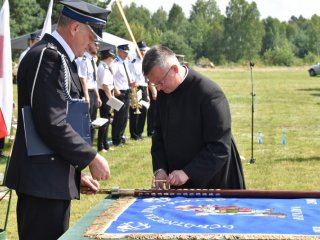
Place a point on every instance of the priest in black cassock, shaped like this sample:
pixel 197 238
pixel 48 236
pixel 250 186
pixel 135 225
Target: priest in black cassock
pixel 192 146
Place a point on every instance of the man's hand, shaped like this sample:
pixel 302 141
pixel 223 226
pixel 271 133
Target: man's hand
pixel 161 178
pixel 117 92
pixel 99 168
pixel 177 178
pixel 88 184
pixel 99 102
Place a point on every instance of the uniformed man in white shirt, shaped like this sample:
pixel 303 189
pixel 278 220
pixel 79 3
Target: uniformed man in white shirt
pixel 122 81
pixel 33 39
pixel 87 71
pixel 105 86
pixel 138 112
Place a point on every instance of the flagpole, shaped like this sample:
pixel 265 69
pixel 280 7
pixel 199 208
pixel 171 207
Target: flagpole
pixel 252 160
pixel 47 23
pixel 128 26
pixel 6 85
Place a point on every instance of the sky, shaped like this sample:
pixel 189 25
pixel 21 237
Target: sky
pixel 280 9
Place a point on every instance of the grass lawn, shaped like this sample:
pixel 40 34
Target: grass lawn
pixel 287 100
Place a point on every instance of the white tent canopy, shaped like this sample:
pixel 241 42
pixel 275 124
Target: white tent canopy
pixel 116 41
pixel 109 41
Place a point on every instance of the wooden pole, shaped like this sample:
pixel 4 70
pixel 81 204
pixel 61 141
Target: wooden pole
pixel 225 193
pixel 128 26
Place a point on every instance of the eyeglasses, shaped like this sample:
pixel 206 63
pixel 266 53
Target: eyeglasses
pixel 161 82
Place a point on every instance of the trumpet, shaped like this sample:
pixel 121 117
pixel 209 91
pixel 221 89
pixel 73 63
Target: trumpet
pixel 134 103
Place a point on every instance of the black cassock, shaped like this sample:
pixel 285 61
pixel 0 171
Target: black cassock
pixel 193 134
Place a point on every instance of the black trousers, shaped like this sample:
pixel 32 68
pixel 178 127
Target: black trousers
pixel 103 130
pixel 40 218
pixel 93 110
pixel 120 118
pixel 137 121
pixel 151 115
pixel 1 144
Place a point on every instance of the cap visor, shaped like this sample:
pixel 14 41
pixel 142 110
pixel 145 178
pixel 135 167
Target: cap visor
pixel 97 32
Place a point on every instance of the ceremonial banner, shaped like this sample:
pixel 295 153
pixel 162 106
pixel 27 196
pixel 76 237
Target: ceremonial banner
pixel 196 218
pixel 6 91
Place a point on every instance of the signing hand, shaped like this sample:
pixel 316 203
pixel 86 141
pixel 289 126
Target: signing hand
pixel 88 184
pixel 177 178
pixel 161 180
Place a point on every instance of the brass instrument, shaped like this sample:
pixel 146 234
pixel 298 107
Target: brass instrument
pixel 134 103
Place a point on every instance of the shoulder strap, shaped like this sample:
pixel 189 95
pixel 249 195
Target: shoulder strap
pixel 66 83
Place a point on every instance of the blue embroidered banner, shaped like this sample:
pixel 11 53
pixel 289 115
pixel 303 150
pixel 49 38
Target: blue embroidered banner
pixel 181 215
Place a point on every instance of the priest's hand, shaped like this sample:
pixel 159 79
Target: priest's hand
pixel 160 179
pixel 177 178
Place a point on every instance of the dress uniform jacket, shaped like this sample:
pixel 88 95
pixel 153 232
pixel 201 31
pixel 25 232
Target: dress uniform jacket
pixel 55 176
pixel 193 134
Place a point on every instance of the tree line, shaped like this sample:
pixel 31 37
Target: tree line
pixel 234 37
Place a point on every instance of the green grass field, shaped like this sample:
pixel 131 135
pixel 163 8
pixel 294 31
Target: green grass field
pixel 287 100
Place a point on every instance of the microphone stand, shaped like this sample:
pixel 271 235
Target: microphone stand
pixel 252 160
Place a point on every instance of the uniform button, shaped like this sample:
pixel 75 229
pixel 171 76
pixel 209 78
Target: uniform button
pixel 52 158
pixel 76 166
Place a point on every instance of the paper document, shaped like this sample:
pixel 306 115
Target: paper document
pixel 139 95
pixel 144 104
pixel 99 122
pixel 115 103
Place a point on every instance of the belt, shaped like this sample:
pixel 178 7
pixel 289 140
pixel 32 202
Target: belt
pixel 142 87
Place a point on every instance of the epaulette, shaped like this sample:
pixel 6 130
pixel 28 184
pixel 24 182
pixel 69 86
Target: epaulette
pixel 105 66
pixel 51 46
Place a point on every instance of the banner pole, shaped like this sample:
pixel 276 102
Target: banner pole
pixel 252 160
pixel 128 26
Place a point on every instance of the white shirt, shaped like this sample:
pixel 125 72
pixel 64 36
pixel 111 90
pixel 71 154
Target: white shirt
pixel 86 70
pixel 104 76
pixel 64 44
pixel 135 67
pixel 119 74
pixel 23 54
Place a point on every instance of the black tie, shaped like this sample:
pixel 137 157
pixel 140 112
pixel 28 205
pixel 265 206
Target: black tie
pixel 94 69
pixel 75 65
pixel 125 69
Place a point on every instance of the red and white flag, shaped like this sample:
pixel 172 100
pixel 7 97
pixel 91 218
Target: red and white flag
pixel 6 88
pixel 47 23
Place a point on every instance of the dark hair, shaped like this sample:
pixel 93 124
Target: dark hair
pixel 158 55
pixel 105 55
